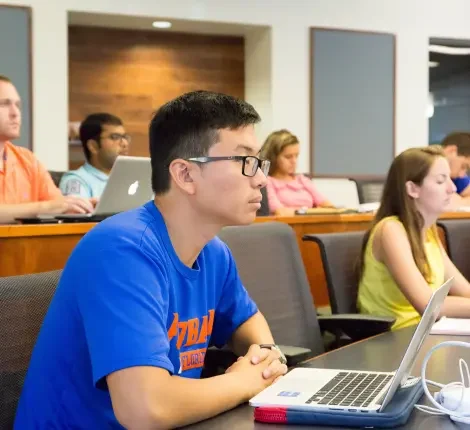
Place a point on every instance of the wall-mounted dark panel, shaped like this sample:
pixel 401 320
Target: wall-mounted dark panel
pixel 15 54
pixel 352 102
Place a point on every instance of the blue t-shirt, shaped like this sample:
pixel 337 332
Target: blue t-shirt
pixel 461 183
pixel 87 181
pixel 125 299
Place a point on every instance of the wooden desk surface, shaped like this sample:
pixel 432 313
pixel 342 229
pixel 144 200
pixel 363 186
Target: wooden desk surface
pixel 380 353
pixel 38 248
pixel 32 230
pixel 10 231
pixel 343 218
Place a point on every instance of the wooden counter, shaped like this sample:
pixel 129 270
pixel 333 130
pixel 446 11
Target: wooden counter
pixel 39 248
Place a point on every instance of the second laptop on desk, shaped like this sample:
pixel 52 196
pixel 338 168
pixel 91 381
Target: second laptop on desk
pixel 128 186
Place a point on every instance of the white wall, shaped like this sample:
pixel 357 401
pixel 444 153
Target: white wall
pixel 413 21
pixel 258 77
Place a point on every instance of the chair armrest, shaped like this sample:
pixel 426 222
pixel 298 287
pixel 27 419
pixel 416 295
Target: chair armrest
pixel 295 354
pixel 356 326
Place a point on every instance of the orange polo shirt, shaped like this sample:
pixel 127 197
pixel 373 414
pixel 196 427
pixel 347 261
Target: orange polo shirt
pixel 24 179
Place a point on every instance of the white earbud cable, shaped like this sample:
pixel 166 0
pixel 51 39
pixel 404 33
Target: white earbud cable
pixel 464 383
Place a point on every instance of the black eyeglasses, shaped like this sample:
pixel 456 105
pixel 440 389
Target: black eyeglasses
pixel 117 137
pixel 250 165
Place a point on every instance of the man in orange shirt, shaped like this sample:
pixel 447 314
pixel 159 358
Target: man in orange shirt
pixel 26 187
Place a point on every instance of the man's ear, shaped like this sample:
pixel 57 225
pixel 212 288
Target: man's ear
pixel 412 189
pixel 450 150
pixel 184 174
pixel 93 146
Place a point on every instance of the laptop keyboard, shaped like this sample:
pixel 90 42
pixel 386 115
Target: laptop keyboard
pixel 355 389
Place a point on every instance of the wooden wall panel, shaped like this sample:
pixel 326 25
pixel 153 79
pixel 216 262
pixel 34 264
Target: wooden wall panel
pixel 131 73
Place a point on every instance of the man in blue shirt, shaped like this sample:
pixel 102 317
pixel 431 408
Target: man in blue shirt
pixel 145 292
pixel 103 138
pixel 457 149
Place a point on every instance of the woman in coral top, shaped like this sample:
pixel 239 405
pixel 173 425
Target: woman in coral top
pixel 287 191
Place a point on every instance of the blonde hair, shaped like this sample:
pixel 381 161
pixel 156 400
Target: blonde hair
pixel 274 145
pixel 411 165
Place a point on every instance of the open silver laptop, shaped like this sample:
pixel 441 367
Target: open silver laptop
pixel 351 390
pixel 128 186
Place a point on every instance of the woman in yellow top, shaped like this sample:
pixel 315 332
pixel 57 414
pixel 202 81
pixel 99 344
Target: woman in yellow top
pixel 403 260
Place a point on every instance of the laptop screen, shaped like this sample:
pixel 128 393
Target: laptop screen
pixel 429 317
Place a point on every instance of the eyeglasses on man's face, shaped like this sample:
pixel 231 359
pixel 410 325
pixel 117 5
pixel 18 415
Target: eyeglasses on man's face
pixel 117 137
pixel 250 163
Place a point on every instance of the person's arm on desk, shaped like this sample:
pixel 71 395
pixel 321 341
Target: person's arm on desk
pixel 151 398
pixel 392 248
pixel 51 200
pixel 284 212
pixel 146 390
pixel 319 201
pixel 240 324
pixel 255 330
pixel 69 204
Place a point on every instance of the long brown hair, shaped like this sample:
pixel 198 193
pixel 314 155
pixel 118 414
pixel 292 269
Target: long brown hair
pixel 274 145
pixel 411 165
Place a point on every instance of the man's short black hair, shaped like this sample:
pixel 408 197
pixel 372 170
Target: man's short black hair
pixel 188 126
pixel 92 127
pixel 459 139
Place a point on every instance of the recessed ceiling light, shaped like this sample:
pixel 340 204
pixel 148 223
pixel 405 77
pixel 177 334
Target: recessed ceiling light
pixel 161 24
pixel 433 63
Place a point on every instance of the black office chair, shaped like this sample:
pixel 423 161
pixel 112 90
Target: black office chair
pixel 271 268
pixel 264 209
pixel 340 253
pixel 457 235
pixel 370 190
pixel 56 176
pixel 24 301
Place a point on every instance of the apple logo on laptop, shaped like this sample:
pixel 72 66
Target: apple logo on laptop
pixel 133 188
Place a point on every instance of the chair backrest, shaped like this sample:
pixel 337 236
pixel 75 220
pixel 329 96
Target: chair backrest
pixel 24 301
pixel 56 176
pixel 370 191
pixel 342 192
pixel 264 209
pixel 340 253
pixel 271 268
pixel 457 235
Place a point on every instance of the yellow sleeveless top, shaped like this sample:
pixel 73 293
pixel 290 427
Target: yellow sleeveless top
pixel 378 292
